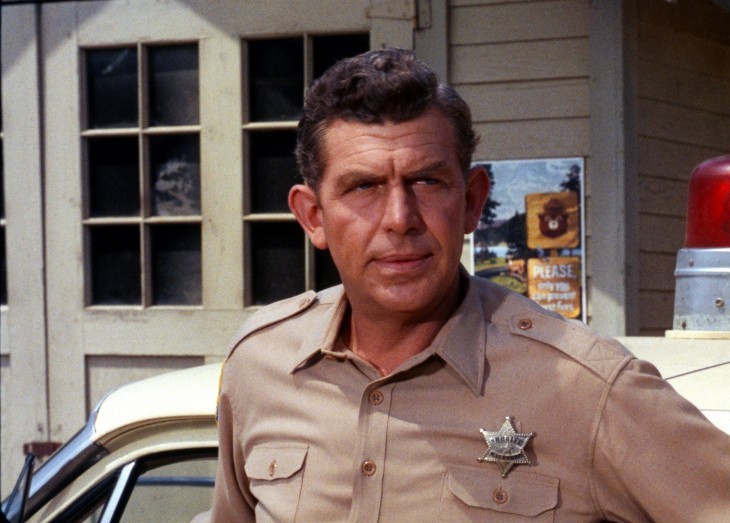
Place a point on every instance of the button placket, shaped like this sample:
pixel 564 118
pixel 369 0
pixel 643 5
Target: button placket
pixel 372 432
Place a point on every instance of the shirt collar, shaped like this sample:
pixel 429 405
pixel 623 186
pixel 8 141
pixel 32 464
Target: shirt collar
pixel 461 342
pixel 322 338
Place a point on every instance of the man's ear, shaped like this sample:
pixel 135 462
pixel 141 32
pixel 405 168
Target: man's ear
pixel 477 191
pixel 305 206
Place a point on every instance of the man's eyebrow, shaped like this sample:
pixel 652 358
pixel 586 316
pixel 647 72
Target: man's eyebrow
pixel 356 174
pixel 348 178
pixel 432 168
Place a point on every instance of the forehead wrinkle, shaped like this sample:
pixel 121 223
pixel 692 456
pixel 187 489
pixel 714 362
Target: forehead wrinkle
pixel 372 150
pixel 430 153
pixel 387 137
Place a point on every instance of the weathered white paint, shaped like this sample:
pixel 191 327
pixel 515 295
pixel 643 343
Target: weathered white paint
pixel 612 247
pixel 24 407
pixel 91 349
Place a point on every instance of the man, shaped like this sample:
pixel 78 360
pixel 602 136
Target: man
pixel 415 392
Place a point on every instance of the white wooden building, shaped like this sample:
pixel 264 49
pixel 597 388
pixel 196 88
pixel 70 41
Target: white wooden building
pixel 145 163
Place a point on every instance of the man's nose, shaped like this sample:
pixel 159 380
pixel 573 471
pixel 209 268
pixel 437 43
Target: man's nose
pixel 401 214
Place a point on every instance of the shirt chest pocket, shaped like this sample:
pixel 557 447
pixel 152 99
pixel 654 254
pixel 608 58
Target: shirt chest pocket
pixel 475 494
pixel 275 479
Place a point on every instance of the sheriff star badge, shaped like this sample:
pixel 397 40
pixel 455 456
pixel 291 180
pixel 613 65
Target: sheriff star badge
pixel 506 447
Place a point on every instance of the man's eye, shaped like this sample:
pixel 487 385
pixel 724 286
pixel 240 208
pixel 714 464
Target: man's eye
pixel 364 186
pixel 427 181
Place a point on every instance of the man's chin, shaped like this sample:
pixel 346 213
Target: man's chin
pixel 409 299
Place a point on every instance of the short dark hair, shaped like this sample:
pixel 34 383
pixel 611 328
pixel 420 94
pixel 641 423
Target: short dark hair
pixel 375 87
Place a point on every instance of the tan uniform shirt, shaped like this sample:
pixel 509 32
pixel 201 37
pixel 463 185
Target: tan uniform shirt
pixel 309 432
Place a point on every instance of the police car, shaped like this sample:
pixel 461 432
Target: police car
pixel 147 453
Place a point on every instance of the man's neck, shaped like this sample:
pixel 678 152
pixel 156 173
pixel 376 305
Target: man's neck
pixel 387 346
pixel 386 341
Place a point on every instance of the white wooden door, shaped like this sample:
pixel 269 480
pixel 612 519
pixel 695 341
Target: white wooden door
pixel 169 131
pixel 147 155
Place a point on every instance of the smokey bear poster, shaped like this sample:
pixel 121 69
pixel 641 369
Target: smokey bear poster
pixel 553 220
pixel 530 236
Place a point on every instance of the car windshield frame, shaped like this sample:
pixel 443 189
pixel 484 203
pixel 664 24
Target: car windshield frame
pixel 79 454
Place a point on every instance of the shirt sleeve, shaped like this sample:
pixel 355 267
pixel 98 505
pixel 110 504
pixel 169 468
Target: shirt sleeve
pixel 656 457
pixel 232 500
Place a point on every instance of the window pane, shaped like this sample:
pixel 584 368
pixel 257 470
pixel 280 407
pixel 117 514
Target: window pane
pixel 277 261
pixel 175 175
pixel 326 274
pixel 276 79
pixel 115 265
pixel 273 170
pixel 114 177
pixel 176 264
pixel 2 183
pixel 3 268
pixel 174 95
pixel 172 493
pixel 112 87
pixel 3 263
pixel 330 49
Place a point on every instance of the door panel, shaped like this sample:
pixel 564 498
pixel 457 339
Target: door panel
pixel 148 272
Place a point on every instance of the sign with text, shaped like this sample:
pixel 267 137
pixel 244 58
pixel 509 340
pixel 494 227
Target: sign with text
pixel 555 284
pixel 530 235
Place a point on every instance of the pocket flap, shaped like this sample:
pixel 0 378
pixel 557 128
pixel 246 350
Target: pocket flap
pixel 272 462
pixel 519 493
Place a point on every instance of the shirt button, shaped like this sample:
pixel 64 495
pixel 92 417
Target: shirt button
pixel 303 303
pixel 272 468
pixel 500 496
pixel 376 397
pixel 525 324
pixel 368 468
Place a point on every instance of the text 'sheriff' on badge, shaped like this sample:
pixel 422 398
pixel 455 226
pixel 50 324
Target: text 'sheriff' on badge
pixel 506 447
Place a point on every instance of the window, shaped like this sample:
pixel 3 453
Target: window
pixel 3 259
pixel 281 261
pixel 142 212
pixel 141 139
pixel 175 491
pixel 172 486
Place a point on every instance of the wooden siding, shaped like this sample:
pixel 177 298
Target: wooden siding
pixel 524 69
pixel 683 118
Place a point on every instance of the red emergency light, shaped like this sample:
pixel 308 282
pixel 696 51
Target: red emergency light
pixel 702 277
pixel 708 208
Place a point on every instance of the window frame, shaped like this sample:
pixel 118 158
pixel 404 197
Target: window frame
pixel 249 127
pixel 144 133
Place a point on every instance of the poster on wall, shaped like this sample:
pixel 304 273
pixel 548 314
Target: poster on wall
pixel 531 234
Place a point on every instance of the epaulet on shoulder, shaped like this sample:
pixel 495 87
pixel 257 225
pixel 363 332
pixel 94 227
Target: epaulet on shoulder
pixel 524 317
pixel 604 356
pixel 271 314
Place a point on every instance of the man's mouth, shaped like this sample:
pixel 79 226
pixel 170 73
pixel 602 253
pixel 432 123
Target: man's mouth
pixel 402 261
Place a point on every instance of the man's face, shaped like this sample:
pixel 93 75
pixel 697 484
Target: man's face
pixel 393 206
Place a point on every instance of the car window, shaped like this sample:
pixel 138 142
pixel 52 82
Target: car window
pixel 173 492
pixel 172 486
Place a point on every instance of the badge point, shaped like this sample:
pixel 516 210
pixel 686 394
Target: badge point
pixel 506 447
